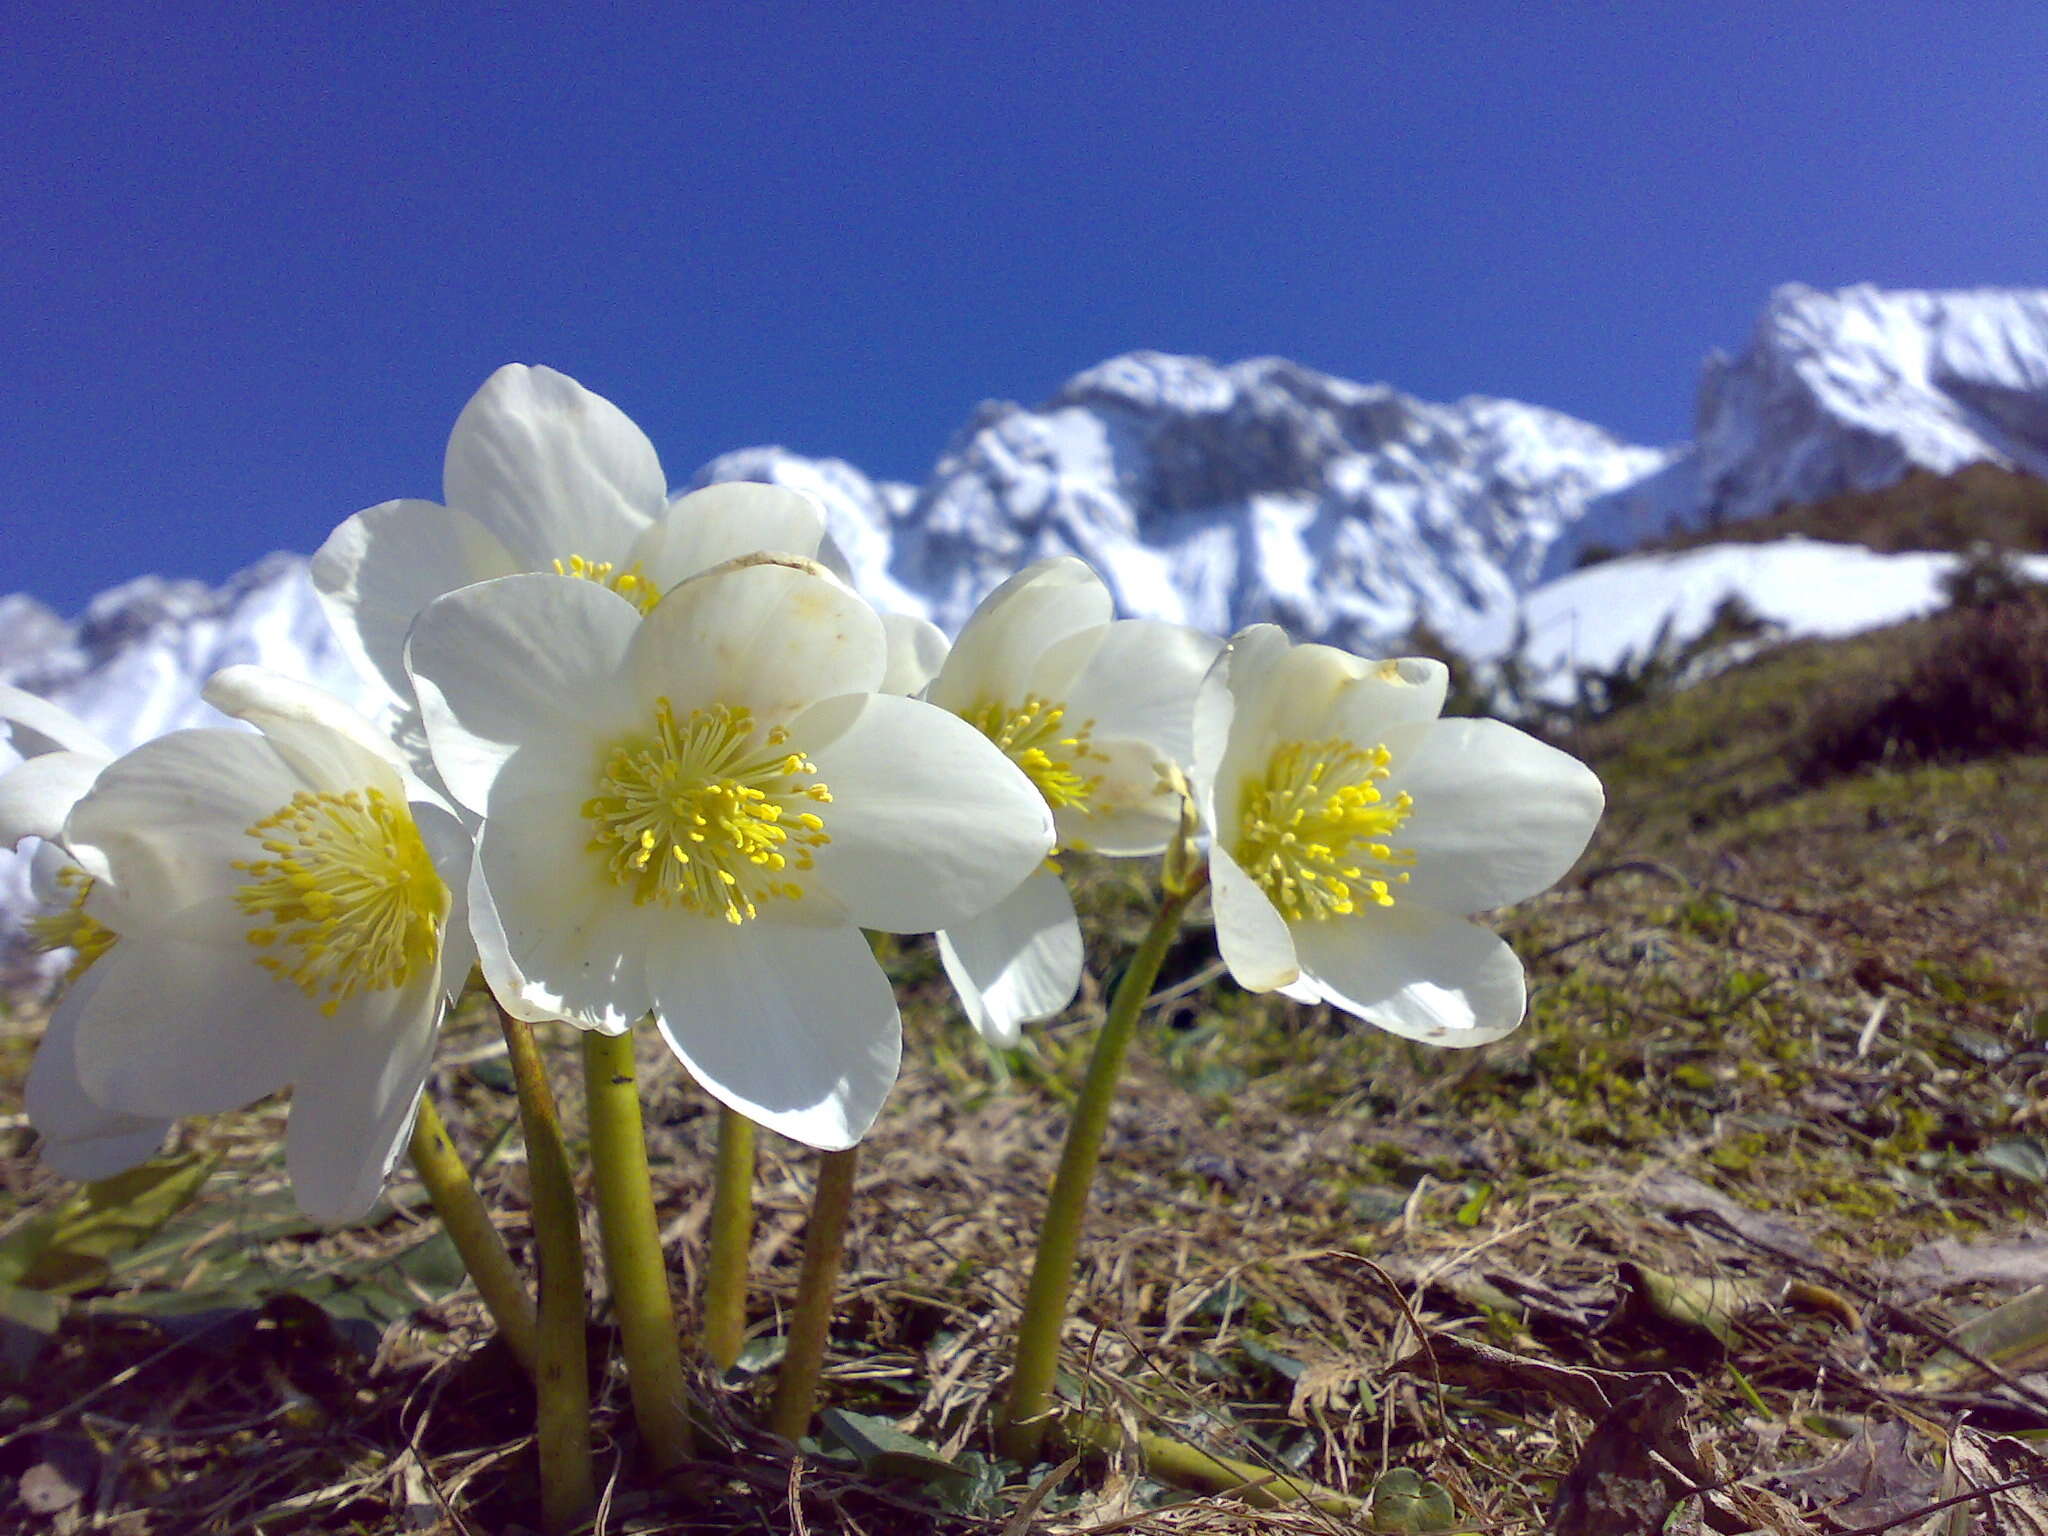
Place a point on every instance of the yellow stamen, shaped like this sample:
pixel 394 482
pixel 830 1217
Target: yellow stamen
pixel 1312 832
pixel 350 903
pixel 706 813
pixel 629 583
pixel 71 926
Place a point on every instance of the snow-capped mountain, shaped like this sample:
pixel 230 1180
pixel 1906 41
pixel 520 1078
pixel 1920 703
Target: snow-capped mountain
pixel 1223 494
pixel 1846 391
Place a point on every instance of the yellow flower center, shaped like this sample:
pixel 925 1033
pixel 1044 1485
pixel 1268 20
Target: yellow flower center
pixel 349 902
pixel 1034 737
pixel 1312 832
pixel 708 813
pixel 71 926
pixel 630 583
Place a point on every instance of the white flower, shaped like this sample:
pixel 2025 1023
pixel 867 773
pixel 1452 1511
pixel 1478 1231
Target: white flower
pixel 696 814
pixel 540 475
pixel 1094 712
pixel 81 1140
pixel 1353 832
pixel 280 899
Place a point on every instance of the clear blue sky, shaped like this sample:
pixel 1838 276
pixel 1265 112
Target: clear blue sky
pixel 253 260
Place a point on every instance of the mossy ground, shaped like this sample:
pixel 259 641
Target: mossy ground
pixel 1783 1036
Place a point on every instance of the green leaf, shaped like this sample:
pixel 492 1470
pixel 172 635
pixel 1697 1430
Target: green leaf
pixel 887 1451
pixel 112 1217
pixel 1404 1504
pixel 29 1321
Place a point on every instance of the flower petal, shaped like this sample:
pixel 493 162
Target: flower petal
pixel 796 1028
pixel 524 659
pixel 1018 961
pixel 1417 973
pixel 930 823
pixel 722 522
pixel 80 1139
pixel 355 1095
pixel 760 633
pixel 181 1028
pixel 552 470
pixel 1136 677
pixel 1498 815
pixel 1239 671
pixel 917 649
pixel 1387 696
pixel 1003 638
pixel 40 726
pixel 173 815
pixel 1133 809
pixel 36 795
pixel 1254 939
pixel 328 744
pixel 383 565
pixel 572 939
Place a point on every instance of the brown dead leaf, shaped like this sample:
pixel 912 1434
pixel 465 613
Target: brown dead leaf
pixel 1463 1363
pixel 1945 1262
pixel 1633 1470
pixel 1686 1198
pixel 1873 1477
pixel 1984 1461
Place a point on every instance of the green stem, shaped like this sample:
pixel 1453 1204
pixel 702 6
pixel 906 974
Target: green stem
pixel 469 1227
pixel 1184 1466
pixel 562 1384
pixel 810 1325
pixel 732 1237
pixel 632 1249
pixel 1021 1426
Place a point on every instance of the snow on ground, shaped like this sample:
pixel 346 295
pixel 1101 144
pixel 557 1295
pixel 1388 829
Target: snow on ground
pixel 1597 617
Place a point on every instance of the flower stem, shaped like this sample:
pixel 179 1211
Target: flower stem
pixel 632 1249
pixel 562 1384
pixel 1021 1426
pixel 469 1227
pixel 1185 1466
pixel 810 1325
pixel 732 1237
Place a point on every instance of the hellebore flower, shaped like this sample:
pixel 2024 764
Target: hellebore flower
pixel 280 901
pixel 540 475
pixel 63 756
pixel 1095 711
pixel 1352 833
pixel 696 813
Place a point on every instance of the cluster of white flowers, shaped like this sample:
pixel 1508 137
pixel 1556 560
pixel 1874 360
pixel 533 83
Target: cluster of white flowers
pixel 647 757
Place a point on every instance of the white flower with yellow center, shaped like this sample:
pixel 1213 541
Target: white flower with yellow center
pixel 279 900
pixel 1353 832
pixel 1098 714
pixel 80 1139
pixel 540 475
pixel 695 814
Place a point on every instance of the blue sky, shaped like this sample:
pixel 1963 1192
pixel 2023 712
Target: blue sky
pixel 251 265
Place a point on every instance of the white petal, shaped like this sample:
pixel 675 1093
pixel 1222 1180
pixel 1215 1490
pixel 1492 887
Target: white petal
pixel 178 1028
pixel 1418 973
pixel 722 522
pixel 1385 697
pixel 1133 811
pixel 1018 961
pixel 328 744
pixel 795 1028
pixel 355 1095
pixel 1239 670
pixel 525 659
pixel 1136 678
pixel 573 941
pixel 929 822
pixel 552 470
pixel 451 844
pixel 80 1139
pixel 1498 815
pixel 383 565
pixel 1003 638
pixel 1254 939
pixel 36 795
pixel 40 726
pixel 757 634
pixel 917 649
pixel 173 815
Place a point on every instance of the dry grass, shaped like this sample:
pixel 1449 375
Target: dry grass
pixel 1783 1038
